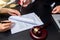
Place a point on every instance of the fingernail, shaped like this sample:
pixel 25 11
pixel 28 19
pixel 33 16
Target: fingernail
pixel 24 1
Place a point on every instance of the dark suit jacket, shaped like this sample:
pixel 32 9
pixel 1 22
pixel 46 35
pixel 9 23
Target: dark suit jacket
pixel 42 9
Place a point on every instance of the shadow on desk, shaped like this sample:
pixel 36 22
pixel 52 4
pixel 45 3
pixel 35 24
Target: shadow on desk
pixel 53 34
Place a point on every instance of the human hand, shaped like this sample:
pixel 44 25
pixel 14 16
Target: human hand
pixel 12 12
pixel 25 3
pixel 56 9
pixel 5 26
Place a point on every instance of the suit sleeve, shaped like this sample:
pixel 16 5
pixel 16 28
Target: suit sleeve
pixel 33 1
pixel 57 2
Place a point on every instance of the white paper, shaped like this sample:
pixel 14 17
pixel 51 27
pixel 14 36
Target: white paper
pixel 56 17
pixel 24 22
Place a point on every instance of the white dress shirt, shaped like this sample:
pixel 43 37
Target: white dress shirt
pixel 33 1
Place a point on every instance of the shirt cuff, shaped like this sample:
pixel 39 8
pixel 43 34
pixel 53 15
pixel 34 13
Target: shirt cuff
pixel 33 1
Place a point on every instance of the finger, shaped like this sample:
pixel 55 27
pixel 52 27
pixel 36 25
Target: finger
pixel 5 29
pixel 17 13
pixel 26 3
pixel 7 24
pixel 59 12
pixel 21 2
pixel 14 12
pixel 54 10
pixel 6 21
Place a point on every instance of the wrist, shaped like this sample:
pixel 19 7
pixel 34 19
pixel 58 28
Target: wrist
pixel 3 10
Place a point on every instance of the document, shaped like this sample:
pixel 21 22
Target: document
pixel 56 18
pixel 24 22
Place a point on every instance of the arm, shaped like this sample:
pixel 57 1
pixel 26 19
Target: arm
pixel 10 11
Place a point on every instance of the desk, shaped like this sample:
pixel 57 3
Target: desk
pixel 53 34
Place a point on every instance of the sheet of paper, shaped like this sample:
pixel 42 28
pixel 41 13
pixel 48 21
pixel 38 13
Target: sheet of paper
pixel 56 17
pixel 24 22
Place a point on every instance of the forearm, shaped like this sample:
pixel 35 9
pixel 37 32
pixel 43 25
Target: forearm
pixel 3 10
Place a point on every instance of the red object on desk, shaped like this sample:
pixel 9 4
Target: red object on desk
pixel 37 33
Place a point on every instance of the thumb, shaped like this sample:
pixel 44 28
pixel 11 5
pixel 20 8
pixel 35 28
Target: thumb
pixel 54 10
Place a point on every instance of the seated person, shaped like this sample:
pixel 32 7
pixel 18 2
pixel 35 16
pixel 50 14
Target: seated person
pixel 43 8
pixel 55 9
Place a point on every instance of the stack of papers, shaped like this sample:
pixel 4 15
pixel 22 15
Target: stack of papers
pixel 56 18
pixel 24 22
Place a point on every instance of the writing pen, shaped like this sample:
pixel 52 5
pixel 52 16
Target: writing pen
pixel 4 22
pixel 22 5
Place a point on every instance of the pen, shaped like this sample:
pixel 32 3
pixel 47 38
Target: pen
pixel 4 22
pixel 22 5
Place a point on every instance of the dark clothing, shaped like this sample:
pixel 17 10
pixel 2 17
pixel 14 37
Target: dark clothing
pixel 42 9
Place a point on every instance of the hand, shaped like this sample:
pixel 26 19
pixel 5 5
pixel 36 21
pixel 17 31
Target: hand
pixel 56 9
pixel 5 26
pixel 25 3
pixel 12 12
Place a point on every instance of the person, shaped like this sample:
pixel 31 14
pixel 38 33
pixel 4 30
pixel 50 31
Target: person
pixel 12 12
pixel 55 10
pixel 6 26
pixel 42 8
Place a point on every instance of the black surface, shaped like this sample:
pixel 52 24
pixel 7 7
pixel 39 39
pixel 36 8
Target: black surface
pixel 53 33
pixel 4 16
